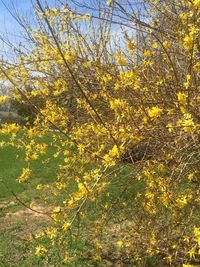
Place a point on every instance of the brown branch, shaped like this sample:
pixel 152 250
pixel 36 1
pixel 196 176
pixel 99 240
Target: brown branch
pixel 72 74
pixel 24 204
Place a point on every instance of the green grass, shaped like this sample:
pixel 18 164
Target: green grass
pixel 11 167
pixel 9 170
pixel 14 248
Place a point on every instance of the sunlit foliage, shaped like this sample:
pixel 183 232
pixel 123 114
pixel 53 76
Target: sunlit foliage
pixel 112 103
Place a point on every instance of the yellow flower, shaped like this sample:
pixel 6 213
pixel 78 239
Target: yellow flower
pixel 2 144
pixel 153 239
pixel 155 45
pixel 57 210
pixel 52 233
pixel 191 176
pixel 96 257
pixel 170 127
pixel 67 258
pixel 98 245
pixel 187 82
pixel 114 152
pixel 108 161
pixel 109 2
pixel 187 123
pixel 25 175
pixel 154 112
pixel 119 244
pixel 81 148
pixel 40 250
pixel 39 187
pixel 183 16
pixel 107 78
pixel 87 64
pixel 182 98
pixel 120 59
pixel 147 53
pixel 197 235
pixel 169 259
pixel 40 234
pixel 117 103
pixel 130 45
pixel 34 156
pixel 181 201
pixel 3 99
pixel 192 253
pixel 9 129
pixel 188 41
pixel 196 3
pixel 166 44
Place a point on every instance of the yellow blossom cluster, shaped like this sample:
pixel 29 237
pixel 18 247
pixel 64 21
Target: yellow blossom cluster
pixel 123 120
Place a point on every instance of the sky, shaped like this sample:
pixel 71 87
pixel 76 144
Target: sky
pixel 23 7
pixel 7 23
pixel 9 28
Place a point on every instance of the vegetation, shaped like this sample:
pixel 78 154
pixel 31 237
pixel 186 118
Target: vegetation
pixel 123 114
pixel 17 222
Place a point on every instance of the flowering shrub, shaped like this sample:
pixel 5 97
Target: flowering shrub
pixel 102 97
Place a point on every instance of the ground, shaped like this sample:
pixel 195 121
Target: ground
pixel 24 210
pixel 16 220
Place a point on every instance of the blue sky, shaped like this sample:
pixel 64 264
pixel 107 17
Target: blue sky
pixel 9 28
pixel 7 23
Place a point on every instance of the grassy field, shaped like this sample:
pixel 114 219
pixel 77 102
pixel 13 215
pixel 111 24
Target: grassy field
pixel 16 222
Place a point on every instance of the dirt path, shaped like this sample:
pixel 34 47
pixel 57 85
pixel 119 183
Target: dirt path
pixel 32 218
